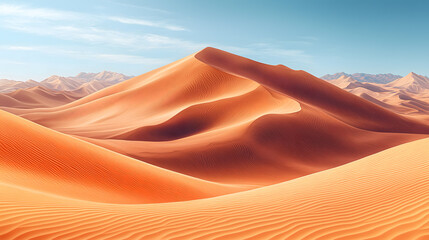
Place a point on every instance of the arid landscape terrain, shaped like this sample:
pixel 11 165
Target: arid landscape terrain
pixel 407 95
pixel 215 146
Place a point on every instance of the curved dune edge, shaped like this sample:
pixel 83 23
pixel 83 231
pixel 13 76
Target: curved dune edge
pixel 306 88
pixel 36 157
pixel 383 196
pixel 153 104
pixel 218 115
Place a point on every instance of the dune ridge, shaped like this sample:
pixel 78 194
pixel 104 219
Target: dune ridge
pixel 296 84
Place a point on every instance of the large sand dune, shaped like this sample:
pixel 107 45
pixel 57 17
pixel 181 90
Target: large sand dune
pixel 383 196
pixel 210 117
pixel 44 160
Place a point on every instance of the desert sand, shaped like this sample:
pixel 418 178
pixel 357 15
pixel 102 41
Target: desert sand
pixel 383 196
pixel 44 160
pixel 215 146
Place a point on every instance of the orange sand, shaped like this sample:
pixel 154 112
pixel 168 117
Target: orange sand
pixel 383 196
pixel 41 159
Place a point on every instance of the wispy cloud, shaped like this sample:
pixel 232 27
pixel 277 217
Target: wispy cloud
pixel 35 13
pixel 108 37
pixel 18 48
pixel 29 13
pixel 123 58
pixel 88 29
pixel 147 23
pixel 146 8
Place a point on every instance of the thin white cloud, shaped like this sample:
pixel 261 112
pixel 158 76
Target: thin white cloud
pixel 122 58
pixel 35 13
pixel 18 48
pixel 24 12
pixel 129 5
pixel 147 23
pixel 160 41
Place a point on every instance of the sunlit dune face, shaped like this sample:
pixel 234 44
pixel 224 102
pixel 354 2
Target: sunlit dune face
pixel 379 197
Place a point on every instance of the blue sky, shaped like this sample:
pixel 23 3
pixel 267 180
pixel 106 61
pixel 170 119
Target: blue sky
pixel 43 38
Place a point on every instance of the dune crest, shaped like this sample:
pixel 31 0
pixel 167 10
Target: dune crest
pixel 299 85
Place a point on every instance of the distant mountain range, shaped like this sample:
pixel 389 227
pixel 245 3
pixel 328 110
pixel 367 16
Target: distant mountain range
pixel 364 77
pixel 406 95
pixel 83 82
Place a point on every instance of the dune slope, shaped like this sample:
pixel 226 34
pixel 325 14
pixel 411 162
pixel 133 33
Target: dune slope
pixel 383 196
pixel 44 160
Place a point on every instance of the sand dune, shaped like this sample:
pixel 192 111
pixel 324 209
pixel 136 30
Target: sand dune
pixel 91 82
pixel 208 117
pixel 53 91
pixel 413 83
pixel 300 85
pixel 44 160
pixel 407 96
pixel 38 97
pixel 383 196
pixel 60 83
pixel 12 85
